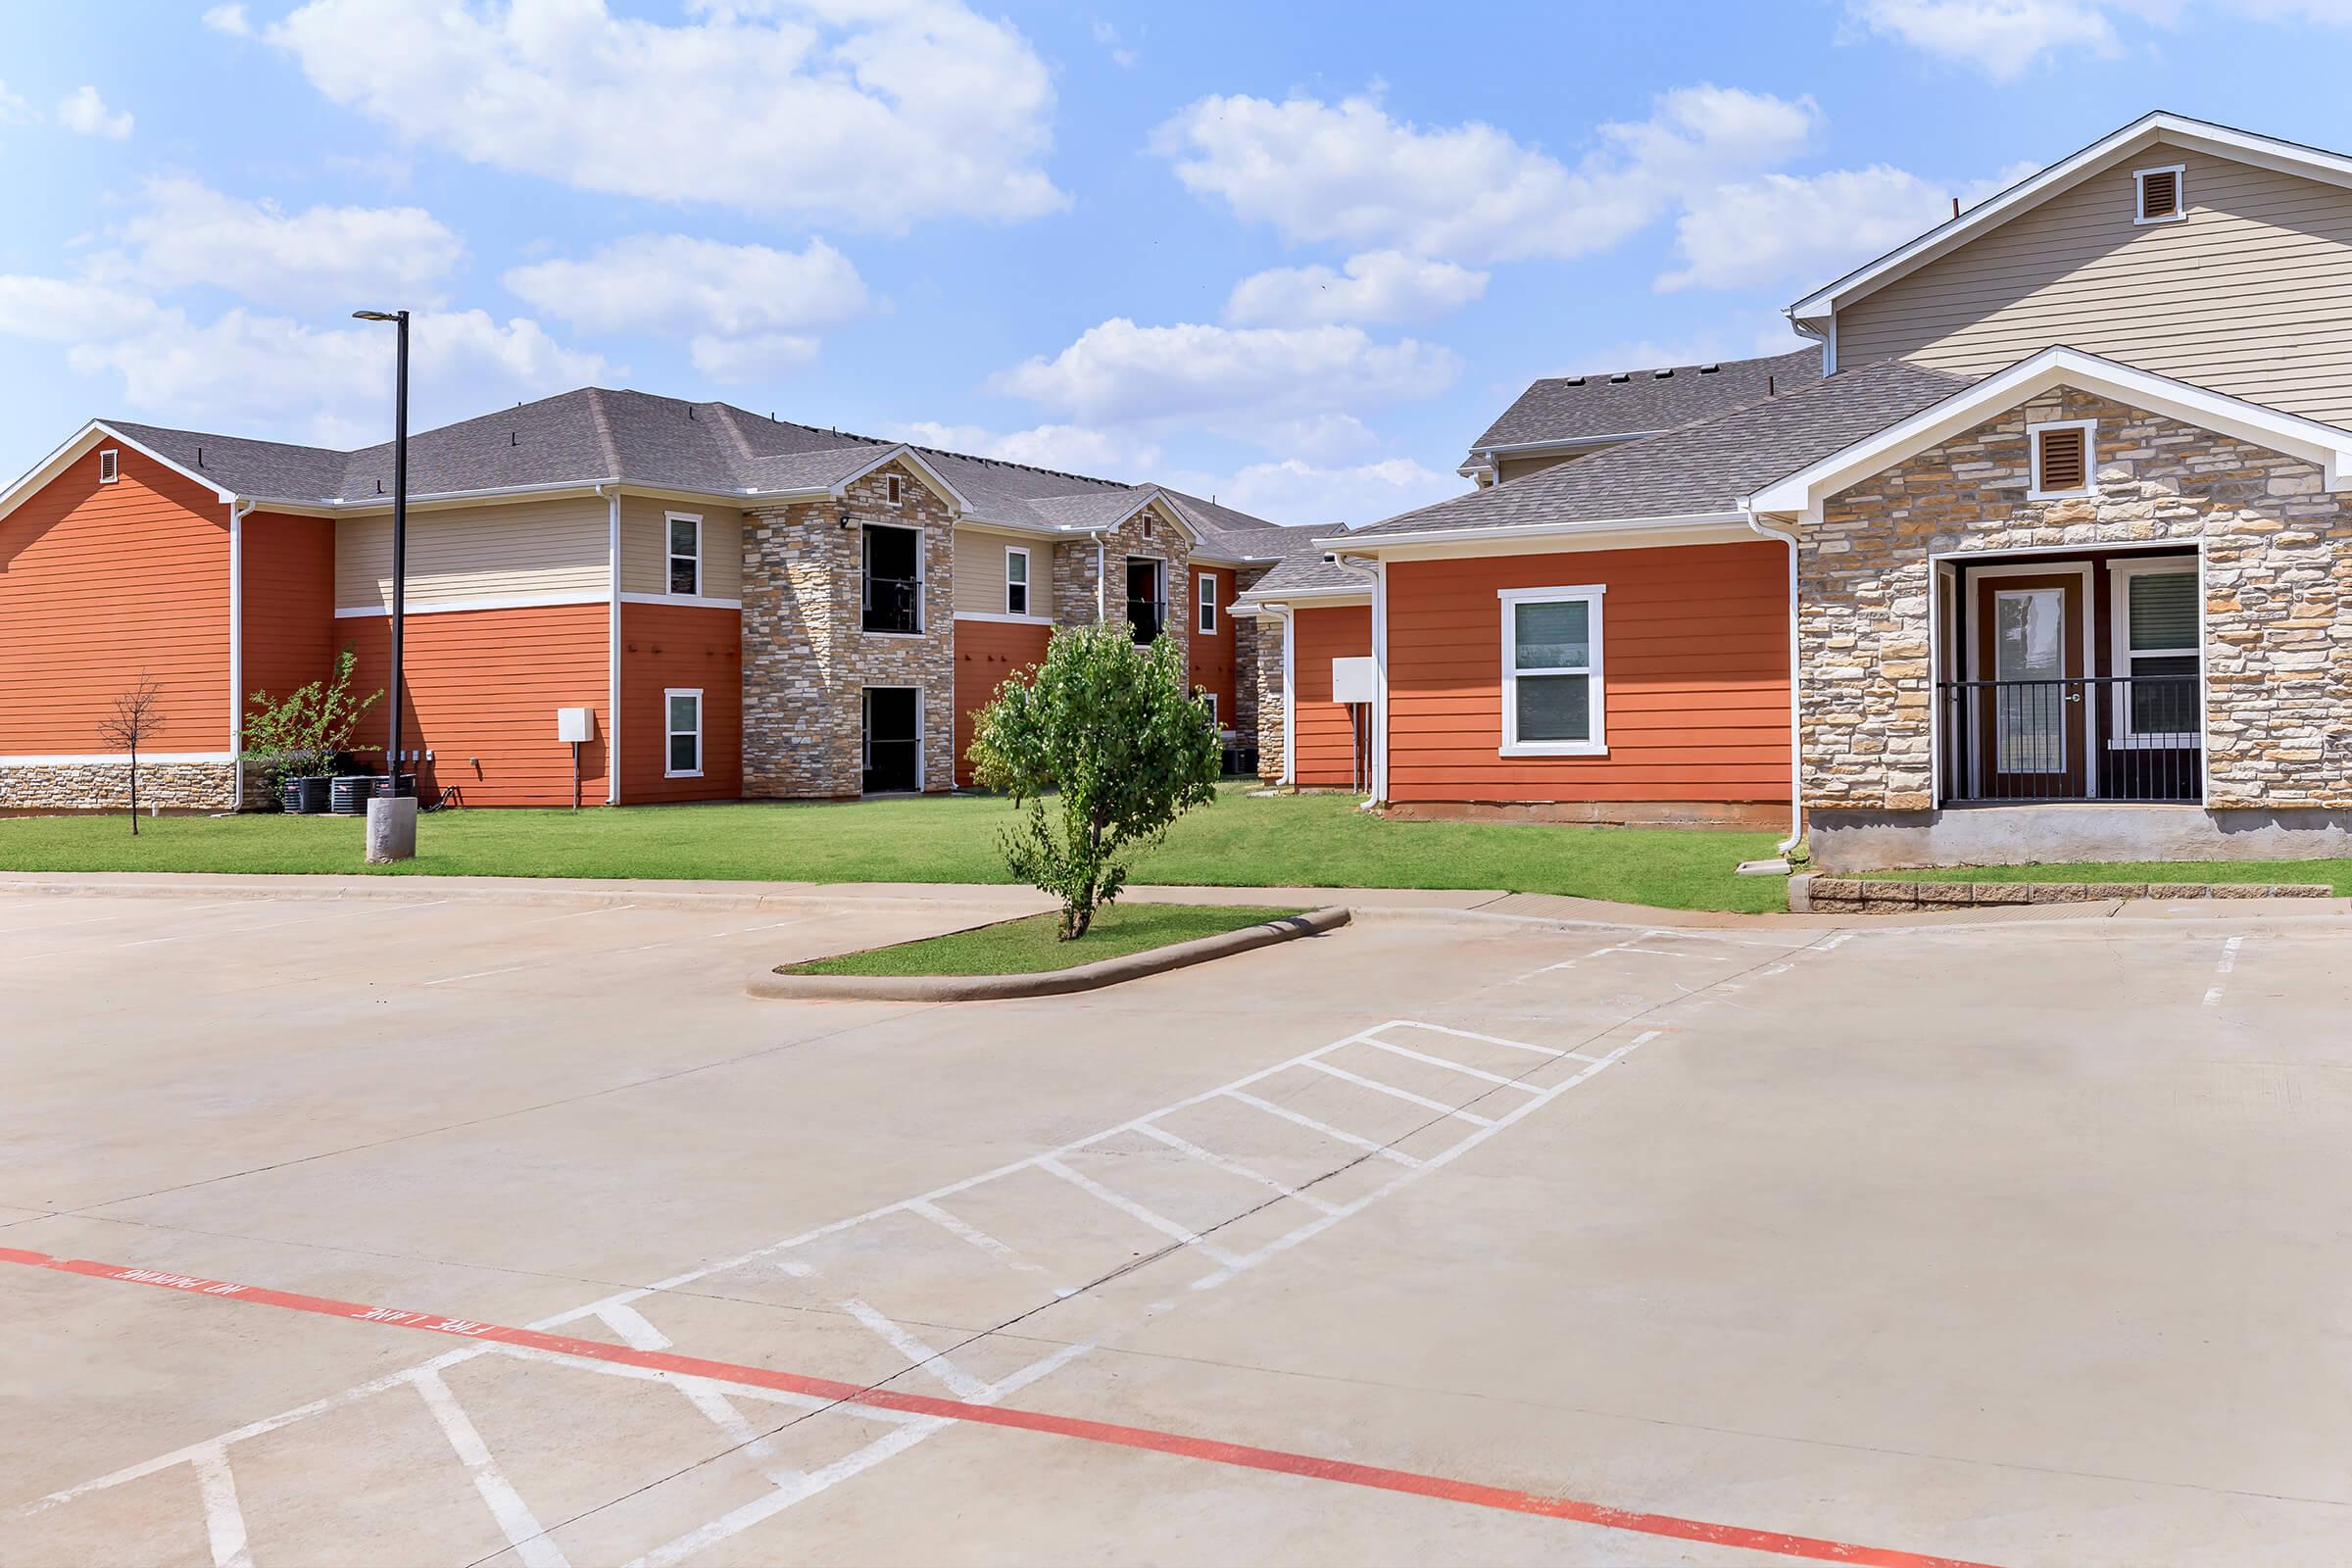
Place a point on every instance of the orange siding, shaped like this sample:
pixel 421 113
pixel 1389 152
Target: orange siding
pixel 1213 655
pixel 1321 728
pixel 684 647
pixel 289 601
pixel 1695 666
pixel 986 653
pixel 483 688
pixel 99 582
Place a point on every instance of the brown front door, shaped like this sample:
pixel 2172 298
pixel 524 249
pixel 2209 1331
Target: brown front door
pixel 2029 698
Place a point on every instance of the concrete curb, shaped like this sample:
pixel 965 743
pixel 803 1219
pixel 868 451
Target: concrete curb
pixel 778 986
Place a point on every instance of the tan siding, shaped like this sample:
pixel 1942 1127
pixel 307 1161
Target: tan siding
pixel 530 549
pixel 2251 295
pixel 645 546
pixel 980 572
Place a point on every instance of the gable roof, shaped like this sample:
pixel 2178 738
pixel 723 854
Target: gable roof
pixel 1576 410
pixel 1304 573
pixel 1802 489
pixel 1696 475
pixel 2223 141
pixel 599 435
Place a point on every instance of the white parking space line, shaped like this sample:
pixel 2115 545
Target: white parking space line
pixel 1451 1065
pixel 1231 1167
pixel 1323 1127
pixel 1406 1095
pixel 532 1545
pixel 922 1357
pixel 965 1231
pixel 1133 1210
pixel 1492 1039
pixel 2221 971
pixel 224 1520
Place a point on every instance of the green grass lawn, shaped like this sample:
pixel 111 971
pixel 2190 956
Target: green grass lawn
pixel 1242 841
pixel 1030 947
pixel 2338 873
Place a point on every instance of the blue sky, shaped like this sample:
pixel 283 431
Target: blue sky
pixel 1295 255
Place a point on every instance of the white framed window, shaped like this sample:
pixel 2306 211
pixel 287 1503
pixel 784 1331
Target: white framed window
pixel 1210 701
pixel 1553 702
pixel 2157 609
pixel 893 489
pixel 1207 613
pixel 2065 457
pixel 1016 580
pixel 1147 525
pixel 2160 195
pixel 893 579
pixel 110 466
pixel 685 573
pixel 682 740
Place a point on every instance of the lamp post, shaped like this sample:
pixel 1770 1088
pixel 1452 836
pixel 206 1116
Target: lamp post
pixel 392 819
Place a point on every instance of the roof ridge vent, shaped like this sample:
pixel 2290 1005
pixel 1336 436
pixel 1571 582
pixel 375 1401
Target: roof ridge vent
pixel 1709 369
pixel 1621 378
pixel 1660 375
pixel 1576 380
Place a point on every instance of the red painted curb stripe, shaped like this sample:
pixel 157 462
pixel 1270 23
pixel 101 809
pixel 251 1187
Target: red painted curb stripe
pixel 1276 1460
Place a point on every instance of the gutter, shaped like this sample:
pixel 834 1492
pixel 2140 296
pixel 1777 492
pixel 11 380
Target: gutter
pixel 1797 781
pixel 1368 545
pixel 237 508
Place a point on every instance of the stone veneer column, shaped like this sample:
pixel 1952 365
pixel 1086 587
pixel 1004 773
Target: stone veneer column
pixel 807 657
pixel 1244 717
pixel 1270 629
pixel 2278 565
pixel 1074 572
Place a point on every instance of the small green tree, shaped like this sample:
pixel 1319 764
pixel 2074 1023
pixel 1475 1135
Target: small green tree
pixel 1112 732
pixel 300 736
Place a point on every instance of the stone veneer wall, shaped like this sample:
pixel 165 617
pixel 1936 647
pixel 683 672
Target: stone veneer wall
pixel 2277 555
pixel 1244 717
pixel 1074 567
pixel 1268 642
pixel 102 786
pixel 807 657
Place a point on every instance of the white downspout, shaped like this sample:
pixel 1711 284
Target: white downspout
pixel 1796 792
pixel 612 494
pixel 1380 683
pixel 1101 584
pixel 236 653
pixel 1290 703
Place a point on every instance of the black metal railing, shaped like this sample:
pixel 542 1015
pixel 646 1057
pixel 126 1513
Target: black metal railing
pixel 894 604
pixel 2133 738
pixel 1149 617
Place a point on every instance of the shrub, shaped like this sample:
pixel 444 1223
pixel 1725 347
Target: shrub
pixel 307 733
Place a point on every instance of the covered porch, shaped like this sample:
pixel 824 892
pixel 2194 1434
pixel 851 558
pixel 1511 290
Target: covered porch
pixel 2070 678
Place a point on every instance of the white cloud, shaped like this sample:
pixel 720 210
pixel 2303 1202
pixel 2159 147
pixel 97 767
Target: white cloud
pixel 674 283
pixel 1292 491
pixel 1237 380
pixel 59 310
pixel 2006 38
pixel 13 109
pixel 1805 229
pixel 1069 448
pixel 1108 37
pixel 1348 173
pixel 186 234
pixel 269 376
pixel 230 19
pixel 1377 286
pixel 84 112
pixel 1739 339
pixel 752 358
pixel 877 113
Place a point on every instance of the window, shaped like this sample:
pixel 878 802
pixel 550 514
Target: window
pixel 685 553
pixel 2161 197
pixel 2063 459
pixel 1552 673
pixel 1147 600
pixel 2156 615
pixel 891 489
pixel 1209 700
pixel 1208 604
pixel 683 719
pixel 1147 526
pixel 1016 580
pixel 893 579
pixel 110 466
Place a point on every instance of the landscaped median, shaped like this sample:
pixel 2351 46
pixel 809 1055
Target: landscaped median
pixel 1025 957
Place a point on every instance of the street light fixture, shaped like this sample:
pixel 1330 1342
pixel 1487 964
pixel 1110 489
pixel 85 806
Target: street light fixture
pixel 392 819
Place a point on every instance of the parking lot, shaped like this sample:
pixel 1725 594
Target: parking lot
pixel 428 1228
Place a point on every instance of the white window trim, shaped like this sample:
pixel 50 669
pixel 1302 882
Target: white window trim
pixel 1204 614
pixel 921 730
pixel 1597 743
pixel 669 733
pixel 669 554
pixel 109 464
pixel 1214 717
pixel 2121 653
pixel 921 583
pixel 2090 458
pixel 1159 565
pixel 2139 194
pixel 1028 583
pixel 894 490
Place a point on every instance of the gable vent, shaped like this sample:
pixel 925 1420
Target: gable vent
pixel 109 466
pixel 2160 195
pixel 2061 459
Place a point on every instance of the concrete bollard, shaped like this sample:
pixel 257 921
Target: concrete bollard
pixel 391 829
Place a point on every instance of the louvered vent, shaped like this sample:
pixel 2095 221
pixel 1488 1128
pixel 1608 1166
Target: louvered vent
pixel 2159 194
pixel 2062 455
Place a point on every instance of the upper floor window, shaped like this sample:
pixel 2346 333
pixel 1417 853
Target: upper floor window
pixel 893 578
pixel 1016 580
pixel 110 466
pixel 1551 674
pixel 2163 198
pixel 685 553
pixel 1146 599
pixel 893 488
pixel 2063 459
pixel 1208 604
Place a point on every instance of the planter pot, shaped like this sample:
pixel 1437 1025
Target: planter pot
pixel 307 797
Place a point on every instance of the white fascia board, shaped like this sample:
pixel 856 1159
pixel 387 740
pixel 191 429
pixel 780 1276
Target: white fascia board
pixel 1803 492
pixel 90 435
pixel 1565 443
pixel 2223 141
pixel 931 476
pixel 1472 541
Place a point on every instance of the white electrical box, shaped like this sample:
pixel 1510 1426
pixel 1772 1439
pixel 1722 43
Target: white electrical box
pixel 575 723
pixel 1352 680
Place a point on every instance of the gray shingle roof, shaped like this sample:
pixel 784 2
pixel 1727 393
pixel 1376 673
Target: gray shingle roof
pixel 1705 466
pixel 599 434
pixel 1303 566
pixel 1634 402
